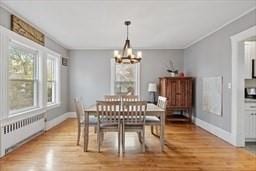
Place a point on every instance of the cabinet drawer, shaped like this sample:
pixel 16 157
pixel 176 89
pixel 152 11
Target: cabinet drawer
pixel 250 106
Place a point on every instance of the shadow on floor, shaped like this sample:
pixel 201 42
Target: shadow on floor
pixel 251 146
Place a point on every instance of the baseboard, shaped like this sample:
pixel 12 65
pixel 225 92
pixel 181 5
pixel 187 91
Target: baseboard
pixel 71 114
pixel 250 139
pixel 225 135
pixel 56 121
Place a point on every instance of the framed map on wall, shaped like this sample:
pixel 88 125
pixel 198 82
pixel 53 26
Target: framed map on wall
pixel 212 95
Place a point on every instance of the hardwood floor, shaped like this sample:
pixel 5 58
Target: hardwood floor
pixel 189 148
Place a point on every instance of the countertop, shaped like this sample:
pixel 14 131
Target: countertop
pixel 250 100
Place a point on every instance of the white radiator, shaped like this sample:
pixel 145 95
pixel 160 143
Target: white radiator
pixel 250 126
pixel 16 131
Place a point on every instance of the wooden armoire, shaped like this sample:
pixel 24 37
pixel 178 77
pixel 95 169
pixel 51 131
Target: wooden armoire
pixel 179 93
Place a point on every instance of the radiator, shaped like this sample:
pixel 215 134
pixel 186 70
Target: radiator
pixel 16 131
pixel 250 126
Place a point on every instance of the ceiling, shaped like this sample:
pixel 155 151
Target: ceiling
pixel 156 24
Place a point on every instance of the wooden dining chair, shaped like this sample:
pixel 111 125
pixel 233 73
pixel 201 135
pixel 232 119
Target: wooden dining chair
pixel 89 121
pixel 112 98
pixel 129 98
pixel 154 121
pixel 134 120
pixel 108 119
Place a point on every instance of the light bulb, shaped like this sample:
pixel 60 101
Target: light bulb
pixel 139 54
pixel 129 51
pixel 116 53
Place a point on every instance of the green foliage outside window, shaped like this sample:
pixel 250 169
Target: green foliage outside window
pixel 51 80
pixel 22 81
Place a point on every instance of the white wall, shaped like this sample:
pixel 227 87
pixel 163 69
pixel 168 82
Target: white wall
pixel 90 72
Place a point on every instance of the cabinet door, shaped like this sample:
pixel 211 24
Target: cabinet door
pixel 189 93
pixel 181 93
pixel 250 124
pixel 247 61
pixel 184 93
pixel 163 87
pixel 171 91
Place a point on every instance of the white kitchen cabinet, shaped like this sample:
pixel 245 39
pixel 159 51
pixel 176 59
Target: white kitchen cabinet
pixel 250 121
pixel 250 125
pixel 249 54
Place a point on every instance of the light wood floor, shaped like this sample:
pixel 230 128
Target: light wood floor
pixel 189 148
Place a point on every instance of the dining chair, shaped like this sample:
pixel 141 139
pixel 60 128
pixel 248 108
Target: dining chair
pixel 154 120
pixel 134 120
pixel 108 119
pixel 84 123
pixel 129 98
pixel 112 98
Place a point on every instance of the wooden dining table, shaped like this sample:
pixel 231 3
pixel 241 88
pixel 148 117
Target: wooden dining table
pixel 152 110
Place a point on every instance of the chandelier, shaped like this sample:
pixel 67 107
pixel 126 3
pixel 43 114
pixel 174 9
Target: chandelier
pixel 126 56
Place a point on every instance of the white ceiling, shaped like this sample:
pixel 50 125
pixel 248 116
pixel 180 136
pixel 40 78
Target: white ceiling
pixel 98 24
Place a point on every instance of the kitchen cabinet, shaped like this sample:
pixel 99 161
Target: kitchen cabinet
pixel 250 121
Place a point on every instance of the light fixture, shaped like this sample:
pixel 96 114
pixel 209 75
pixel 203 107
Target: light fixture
pixel 127 56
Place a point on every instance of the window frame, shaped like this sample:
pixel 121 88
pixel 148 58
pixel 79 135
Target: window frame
pixel 113 77
pixel 56 58
pixel 35 78
pixel 6 36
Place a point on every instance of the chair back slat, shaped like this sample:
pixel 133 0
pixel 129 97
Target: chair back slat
pixel 108 111
pixel 162 102
pixel 112 98
pixel 79 108
pixel 134 112
pixel 130 98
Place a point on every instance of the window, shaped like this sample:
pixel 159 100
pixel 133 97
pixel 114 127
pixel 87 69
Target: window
pixel 52 76
pixel 125 79
pixel 23 78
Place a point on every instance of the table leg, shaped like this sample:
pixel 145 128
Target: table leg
pixel 84 130
pixel 162 131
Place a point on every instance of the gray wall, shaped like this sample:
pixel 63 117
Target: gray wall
pixel 90 72
pixel 212 57
pixel 5 18
pixel 53 113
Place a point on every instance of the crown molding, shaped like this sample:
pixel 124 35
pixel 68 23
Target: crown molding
pixel 219 28
pixel 27 21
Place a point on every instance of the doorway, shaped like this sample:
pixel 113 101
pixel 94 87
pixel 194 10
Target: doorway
pixel 238 85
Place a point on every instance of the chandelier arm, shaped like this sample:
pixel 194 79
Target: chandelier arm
pixel 127 34
pixel 128 43
pixel 125 45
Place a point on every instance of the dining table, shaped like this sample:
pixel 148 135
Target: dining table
pixel 152 110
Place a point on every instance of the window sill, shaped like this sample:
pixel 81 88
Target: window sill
pixel 27 112
pixel 52 106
